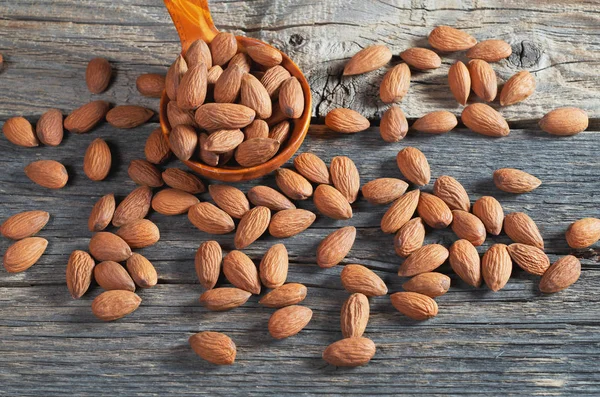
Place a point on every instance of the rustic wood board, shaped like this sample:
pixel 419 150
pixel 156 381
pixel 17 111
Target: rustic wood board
pixel 515 342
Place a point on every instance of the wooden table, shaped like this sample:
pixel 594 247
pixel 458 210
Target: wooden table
pixel 514 342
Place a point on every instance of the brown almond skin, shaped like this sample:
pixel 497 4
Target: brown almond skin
pixel 522 229
pixel 358 278
pixel 97 75
pixel 23 254
pixel 273 78
pixel 80 269
pixel 208 263
pixel 192 88
pixel 256 151
pixel 134 206
pixel 292 184
pixel 222 299
pixel 286 295
pixel 230 199
pixel 518 88
pixel 434 211
pixel 150 84
pixel 484 120
pixel 515 181
pixel 452 193
pixel 210 219
pixel 288 321
pixel 354 316
pixel 384 190
pixel 334 248
pixel 425 259
pixel 252 225
pixel 227 88
pixel 128 116
pixel 489 210
pixel 207 157
pixel 431 284
pixel 198 52
pixel 311 167
pixel 562 274
pixel 174 75
pixel 421 58
pixel 277 117
pixel 222 48
pixel 241 272
pixel 395 84
pixel 141 271
pixel 529 258
pixel 367 60
pixel 24 224
pixel 346 121
pixel 106 246
pixel 140 233
pixel 217 116
pixel 345 177
pixel 400 212
pixel 255 96
pixel 18 130
pixel 414 305
pixel 469 227
pixel 182 180
pixel 102 213
pixel 448 39
pixel 256 129
pixel 409 238
pixel 414 165
pixel 264 55
pixel 288 223
pixel 291 98
pixel 157 148
pixel 496 267
pixel 47 173
pixel 565 121
pixel 583 233
pixel 115 304
pixel 483 79
pixel 465 262
pixel 459 81
pixel 49 128
pixel 144 173
pixel 273 267
pixel 111 275
pixel 84 118
pixel 270 198
pixel 173 202
pixel 97 160
pixel 350 352
pixel 183 141
pixel 393 126
pixel 490 50
pixel 241 60
pixel 437 122
pixel 331 203
pixel 178 116
pixel 214 347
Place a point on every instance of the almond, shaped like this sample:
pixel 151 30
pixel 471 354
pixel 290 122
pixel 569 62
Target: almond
pixel 207 157
pixel 292 184
pixel 115 304
pixel 469 227
pixel 174 75
pixel 222 48
pixel 409 238
pixel 18 130
pixel 346 121
pixel 459 81
pixel 518 88
pixel 384 190
pixel 230 199
pixel 288 321
pixel 241 271
pixel 97 75
pixel 490 50
pixel 330 202
pixel 393 126
pixel 178 116
pixel 112 276
pixel 334 248
pixel 358 278
pixel 354 316
pixel 256 129
pixel 414 305
pixel 141 271
pixel 312 168
pixel 447 39
pixel 173 202
pixel 198 52
pixel 47 173
pixel 395 84
pixel 144 173
pixel 350 352
pixel 522 229
pixel 422 260
pixel 210 219
pixel 483 79
pixel 256 151
pixel 270 198
pixel 431 284
pixel 150 84
pixel 434 211
pixel 273 78
pixel 24 224
pixel 242 60
pixel 561 275
pixel 465 262
pixel 208 263
pixel 452 193
pixel 183 141
pixel 217 116
pixel 529 258
pixel 400 212
pixel 213 74
pixel 214 347
pixel 128 116
pixel 106 246
pixel 286 295
pixel 227 87
pixel 264 55
pixel 438 122
pixel 274 266
pixel 24 253
pixel 192 88
pixel 277 117
pixel 345 177
pixel 414 166
pixel 496 267
pixel 255 96
pixel 484 120
pixel 288 223
pixel 367 60
pixel 49 128
pixel 252 225
pixel 421 58
pixel 182 180
pixel 564 121
pixel 291 98
pixel 97 160
pixel 140 233
pixel 580 234
pixel 222 141
pixel 489 210
pixel 86 117
pixel 134 206
pixel 221 299
pixel 157 147
pixel 515 181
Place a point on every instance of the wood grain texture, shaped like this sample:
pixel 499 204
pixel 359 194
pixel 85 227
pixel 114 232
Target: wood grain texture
pixel 514 342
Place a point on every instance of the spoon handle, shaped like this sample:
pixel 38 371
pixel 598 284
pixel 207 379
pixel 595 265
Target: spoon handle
pixel 192 20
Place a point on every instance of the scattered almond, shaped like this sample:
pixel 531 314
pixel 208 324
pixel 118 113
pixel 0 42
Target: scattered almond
pixel 330 202
pixel 350 352
pixel 489 210
pixel 150 84
pixel 141 271
pixel 86 117
pixel 214 347
pixel 288 223
pixel 414 166
pixel 357 278
pixel 144 173
pixel 437 122
pixel 23 254
pixel 581 233
pixel 564 121
pixel 288 321
pixel 292 184
pixel 274 266
pixel 484 120
pixel 157 147
pixel 496 267
pixel 400 212
pixel 18 130
pixel 49 128
pixel 393 126
pixel 128 116
pixel 421 58
pixel 270 198
pixel 173 202
pixel 241 271
pixel 334 248
pixel 47 173
pixel 409 238
pixel 115 304
pixel 111 275
pixel 452 193
pixel 515 181
pixel 134 206
pixel 465 262
pixel 434 211
pixel 483 79
pixel 221 299
pixel 286 295
pixel 252 225
pixel 24 224
pixel 431 284
pixel 367 60
pixel 182 180
pixel 384 190
pixel 469 227
pixel 395 84
pixel 459 81
pixel 522 229
pixel 529 258
pixel 97 75
pixel 518 88
pixel 208 263
pixel 210 219
pixel 140 233
pixel 346 121
pixel 354 316
pixel 448 39
pixel 230 199
pixel 106 246
pixel 312 168
pixel 345 177
pixel 490 50
pixel 97 160
pixel 561 275
pixel 422 260
pixel 414 305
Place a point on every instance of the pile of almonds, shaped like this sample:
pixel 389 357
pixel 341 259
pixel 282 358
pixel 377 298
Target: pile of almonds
pixel 255 93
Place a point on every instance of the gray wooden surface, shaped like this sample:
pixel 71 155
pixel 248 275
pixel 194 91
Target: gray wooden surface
pixel 514 342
